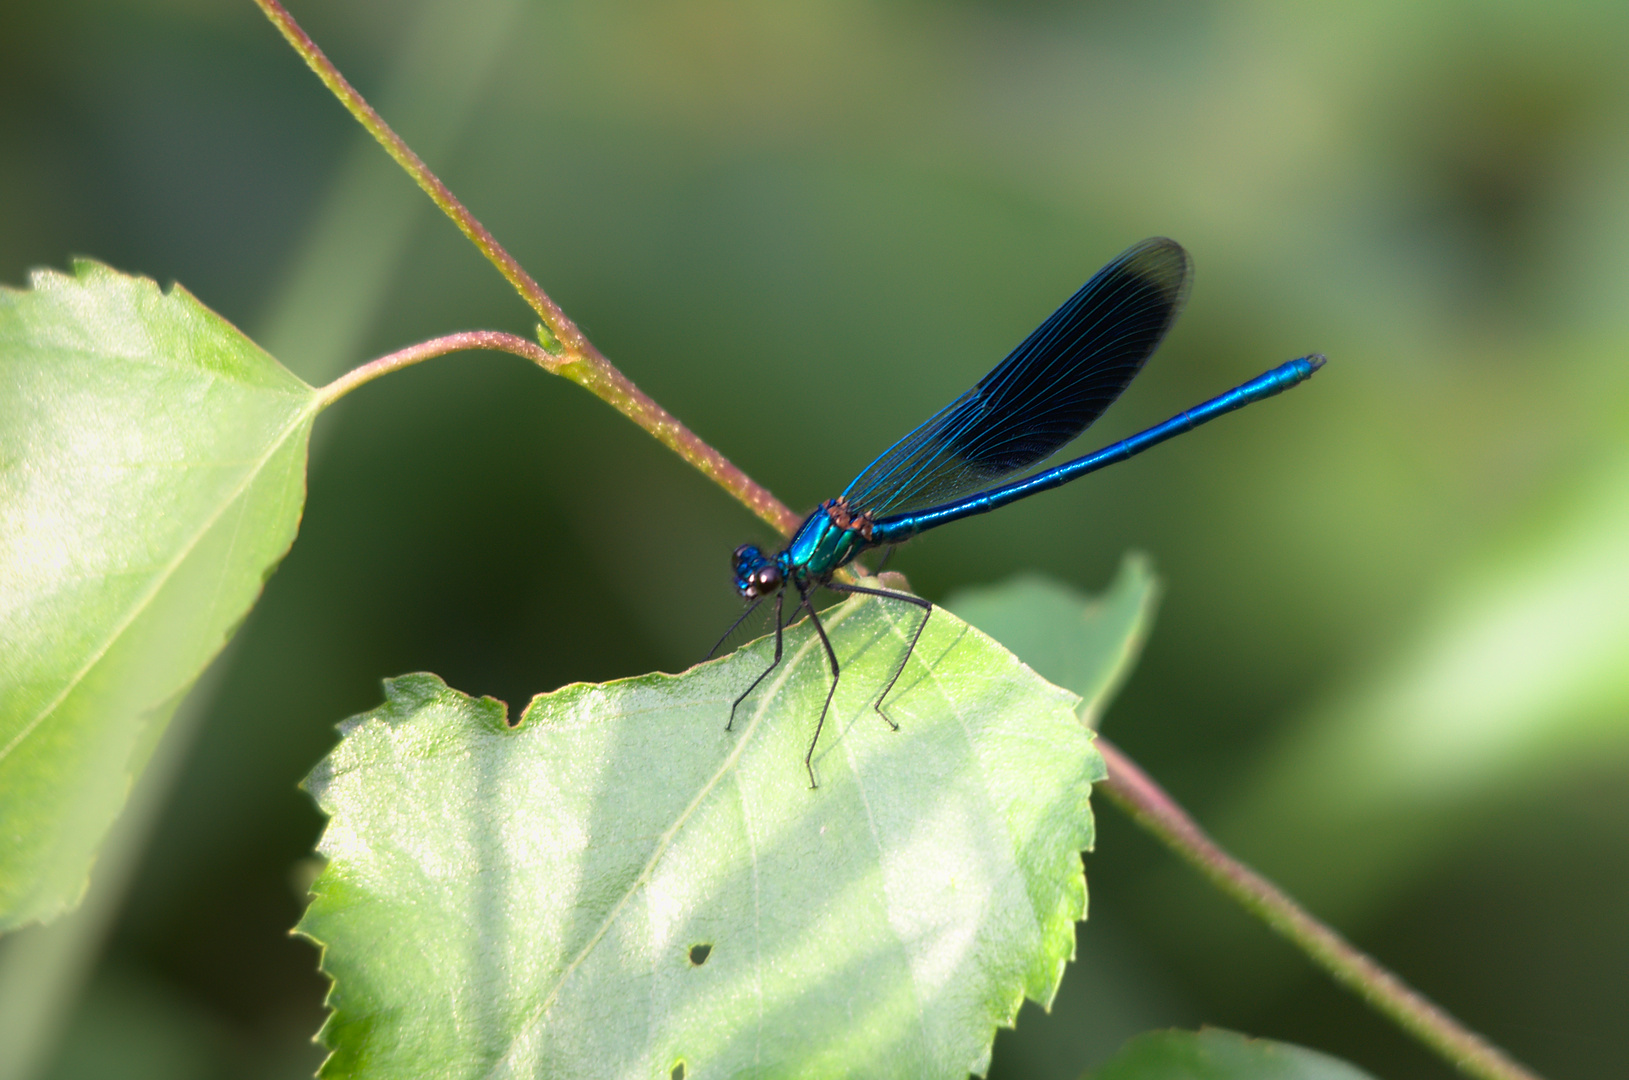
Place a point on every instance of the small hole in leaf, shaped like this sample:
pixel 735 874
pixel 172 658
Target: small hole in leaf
pixel 678 1071
pixel 699 954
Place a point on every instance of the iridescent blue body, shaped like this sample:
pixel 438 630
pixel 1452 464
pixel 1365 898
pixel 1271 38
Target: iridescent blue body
pixel 1045 393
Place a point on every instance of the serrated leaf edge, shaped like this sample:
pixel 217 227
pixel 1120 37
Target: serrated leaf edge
pixel 1071 906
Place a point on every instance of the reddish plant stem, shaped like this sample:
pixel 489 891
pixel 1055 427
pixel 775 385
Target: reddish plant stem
pixel 1135 792
pixel 441 346
pixel 578 359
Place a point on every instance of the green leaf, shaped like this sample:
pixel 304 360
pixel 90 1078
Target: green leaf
pixel 1216 1054
pixel 151 476
pixel 619 886
pixel 1084 644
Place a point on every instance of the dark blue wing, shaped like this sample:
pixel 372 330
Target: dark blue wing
pixel 1046 392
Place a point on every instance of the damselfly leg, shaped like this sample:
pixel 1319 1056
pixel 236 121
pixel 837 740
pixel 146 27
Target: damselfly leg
pixel 779 603
pixel 927 613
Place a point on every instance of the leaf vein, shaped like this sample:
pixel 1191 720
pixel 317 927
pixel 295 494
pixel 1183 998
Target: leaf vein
pixel 662 844
pixel 167 572
pixel 871 824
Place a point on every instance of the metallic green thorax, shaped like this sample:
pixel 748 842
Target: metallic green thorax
pixel 828 539
pixel 822 545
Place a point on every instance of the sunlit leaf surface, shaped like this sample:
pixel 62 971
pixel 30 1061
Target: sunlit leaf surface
pixel 618 886
pixel 151 476
pixel 1215 1054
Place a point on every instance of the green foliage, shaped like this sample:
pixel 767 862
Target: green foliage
pixel 1084 644
pixel 1442 211
pixel 1216 1054
pixel 618 885
pixel 152 471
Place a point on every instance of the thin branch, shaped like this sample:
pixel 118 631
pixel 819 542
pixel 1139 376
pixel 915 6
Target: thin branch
pixel 578 359
pixel 1131 789
pixel 441 346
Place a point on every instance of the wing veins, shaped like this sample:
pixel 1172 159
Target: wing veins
pixel 1043 394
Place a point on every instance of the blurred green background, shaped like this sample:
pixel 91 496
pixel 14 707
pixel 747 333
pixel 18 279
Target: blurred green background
pixel 1392 663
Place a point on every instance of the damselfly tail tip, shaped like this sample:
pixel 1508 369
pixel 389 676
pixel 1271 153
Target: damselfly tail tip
pixel 1317 360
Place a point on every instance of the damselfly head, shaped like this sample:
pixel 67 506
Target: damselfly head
pixel 755 574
